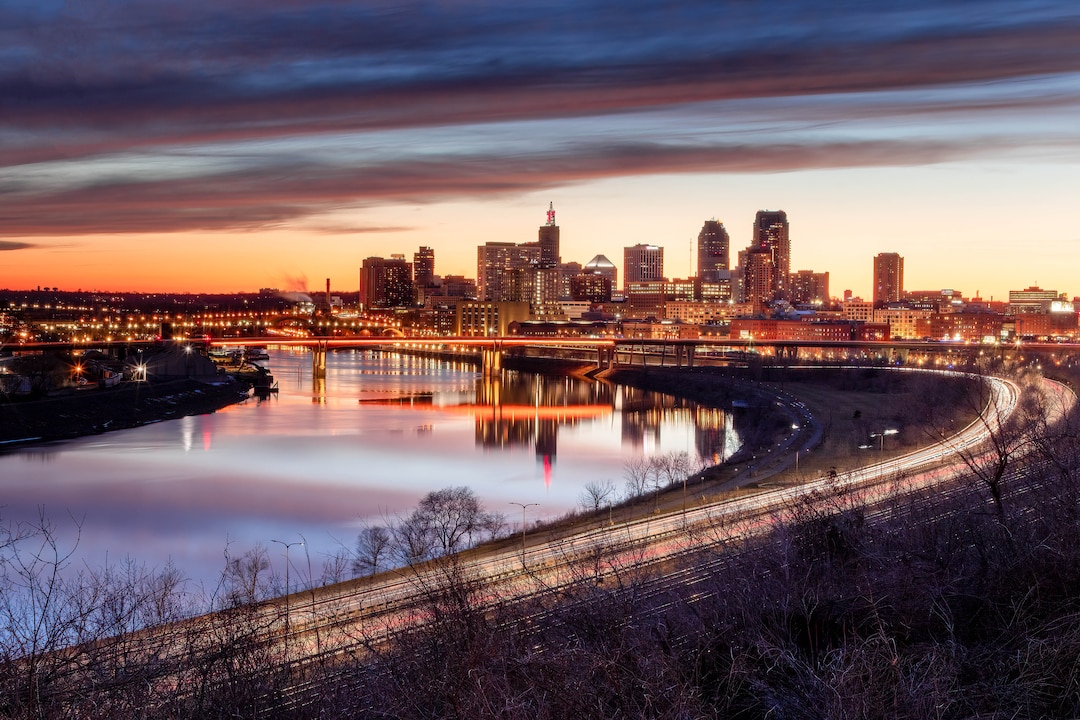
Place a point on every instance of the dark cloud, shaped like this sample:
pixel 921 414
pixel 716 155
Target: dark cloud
pixel 14 245
pixel 96 79
pixel 276 196
pixel 345 229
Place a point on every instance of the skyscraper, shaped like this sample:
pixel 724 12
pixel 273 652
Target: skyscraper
pixel 771 233
pixel 386 283
pixel 424 266
pixel 758 276
pixel 642 263
pixel 713 250
pixel 496 263
pixel 549 240
pixel 602 266
pixel 888 278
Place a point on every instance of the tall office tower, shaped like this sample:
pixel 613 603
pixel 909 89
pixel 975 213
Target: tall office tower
pixel 424 266
pixel 809 287
pixel 549 240
pixel 642 263
pixel 888 278
pixel 600 265
pixel 771 233
pixel 758 276
pixel 495 265
pixel 386 283
pixel 713 250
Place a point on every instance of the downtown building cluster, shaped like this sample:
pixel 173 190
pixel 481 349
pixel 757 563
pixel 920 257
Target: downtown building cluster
pixel 527 289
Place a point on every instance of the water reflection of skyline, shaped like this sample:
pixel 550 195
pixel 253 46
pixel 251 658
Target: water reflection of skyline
pixel 384 431
pixel 522 410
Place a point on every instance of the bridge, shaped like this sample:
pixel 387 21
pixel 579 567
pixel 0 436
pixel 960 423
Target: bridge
pixel 609 353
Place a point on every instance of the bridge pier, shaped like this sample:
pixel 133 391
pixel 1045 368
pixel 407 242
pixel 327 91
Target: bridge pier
pixel 605 357
pixel 491 361
pixel 787 352
pixel 318 361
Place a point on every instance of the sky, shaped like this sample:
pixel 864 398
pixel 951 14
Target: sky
pixel 232 145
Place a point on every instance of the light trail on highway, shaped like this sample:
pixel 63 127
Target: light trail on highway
pixel 391 604
pixel 346 621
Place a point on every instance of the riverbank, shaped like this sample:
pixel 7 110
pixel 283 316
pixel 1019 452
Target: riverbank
pixel 89 412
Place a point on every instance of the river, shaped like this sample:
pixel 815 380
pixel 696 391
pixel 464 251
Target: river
pixel 318 459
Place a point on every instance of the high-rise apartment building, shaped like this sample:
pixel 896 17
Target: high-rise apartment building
pixel 888 278
pixel 713 250
pixel 758 276
pixel 642 263
pixel 771 232
pixel 495 266
pixel 424 266
pixel 386 283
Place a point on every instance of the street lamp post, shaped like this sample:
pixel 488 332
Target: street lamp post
pixel 287 546
pixel 523 506
pixel 881 439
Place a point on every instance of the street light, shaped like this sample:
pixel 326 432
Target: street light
pixel 881 438
pixel 287 546
pixel 523 506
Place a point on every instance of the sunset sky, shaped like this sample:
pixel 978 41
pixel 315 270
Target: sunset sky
pixel 230 145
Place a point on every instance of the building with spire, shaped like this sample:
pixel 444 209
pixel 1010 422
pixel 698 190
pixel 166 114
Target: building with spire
pixel 549 240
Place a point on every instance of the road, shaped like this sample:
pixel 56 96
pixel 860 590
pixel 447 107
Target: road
pixel 395 602
pixel 346 620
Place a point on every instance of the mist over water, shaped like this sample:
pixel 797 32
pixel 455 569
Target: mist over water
pixel 319 458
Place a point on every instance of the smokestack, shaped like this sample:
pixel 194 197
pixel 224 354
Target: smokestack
pixel 327 293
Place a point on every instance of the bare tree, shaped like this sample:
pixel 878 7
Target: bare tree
pixel 1008 433
pixel 636 474
pixel 373 545
pixel 452 514
pixel 596 494
pixel 672 468
pixel 413 540
pixel 337 566
pixel 248 578
pixel 493 524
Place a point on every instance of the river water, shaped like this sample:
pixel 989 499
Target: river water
pixel 318 459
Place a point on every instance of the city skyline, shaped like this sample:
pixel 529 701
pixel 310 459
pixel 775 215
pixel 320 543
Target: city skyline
pixel 226 147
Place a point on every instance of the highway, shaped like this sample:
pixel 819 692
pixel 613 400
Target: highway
pixel 347 620
pixel 330 620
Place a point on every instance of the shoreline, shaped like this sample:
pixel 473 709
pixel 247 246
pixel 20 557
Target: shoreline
pixel 92 412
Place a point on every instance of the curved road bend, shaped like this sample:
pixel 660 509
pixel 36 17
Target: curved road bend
pixel 336 619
